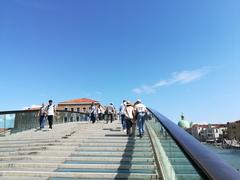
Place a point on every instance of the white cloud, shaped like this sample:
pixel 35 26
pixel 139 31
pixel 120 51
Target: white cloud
pixel 188 76
pixel 161 83
pixel 137 90
pixel 182 77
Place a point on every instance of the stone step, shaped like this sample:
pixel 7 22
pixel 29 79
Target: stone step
pixel 137 149
pixel 84 159
pixel 123 138
pixel 76 166
pixel 80 148
pixel 79 170
pixel 26 178
pixel 114 154
pixel 76 144
pixel 84 151
pixel 78 175
pixel 72 140
pixel 75 153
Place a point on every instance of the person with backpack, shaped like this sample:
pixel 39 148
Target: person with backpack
pixel 129 117
pixel 140 110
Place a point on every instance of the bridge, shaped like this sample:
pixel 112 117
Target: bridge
pixel 77 149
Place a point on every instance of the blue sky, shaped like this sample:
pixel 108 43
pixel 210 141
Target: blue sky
pixel 177 56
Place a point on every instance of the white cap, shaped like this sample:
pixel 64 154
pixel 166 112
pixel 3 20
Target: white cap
pixel 139 100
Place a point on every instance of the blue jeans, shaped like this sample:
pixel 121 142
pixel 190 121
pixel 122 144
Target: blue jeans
pixel 93 117
pixel 140 122
pixel 123 121
pixel 42 121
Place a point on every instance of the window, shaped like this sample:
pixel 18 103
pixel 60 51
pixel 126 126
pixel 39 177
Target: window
pixel 66 109
pixel 78 118
pixel 78 109
pixel 72 109
pixel 216 131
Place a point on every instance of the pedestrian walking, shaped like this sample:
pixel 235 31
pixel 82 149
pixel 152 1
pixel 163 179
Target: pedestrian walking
pixel 50 113
pixel 129 117
pixel 109 113
pixel 99 112
pixel 42 116
pixel 122 115
pixel 93 113
pixel 140 110
pixel 114 112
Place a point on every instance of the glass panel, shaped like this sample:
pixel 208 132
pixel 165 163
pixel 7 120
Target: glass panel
pixel 182 166
pixel 25 120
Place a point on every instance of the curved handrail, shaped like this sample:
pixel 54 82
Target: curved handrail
pixel 207 161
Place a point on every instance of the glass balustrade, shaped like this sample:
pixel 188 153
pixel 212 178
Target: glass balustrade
pixel 18 121
pixel 180 156
pixel 174 163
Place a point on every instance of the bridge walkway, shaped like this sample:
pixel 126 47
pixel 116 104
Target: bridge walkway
pixel 76 150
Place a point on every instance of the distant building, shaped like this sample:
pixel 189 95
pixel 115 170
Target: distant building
pixel 74 105
pixel 77 105
pixel 233 130
pixel 208 133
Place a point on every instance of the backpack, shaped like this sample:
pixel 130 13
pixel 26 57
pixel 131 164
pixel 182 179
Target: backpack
pixel 127 115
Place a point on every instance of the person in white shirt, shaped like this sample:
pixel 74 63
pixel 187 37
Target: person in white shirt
pixel 93 113
pixel 99 112
pixel 122 115
pixel 50 113
pixel 140 110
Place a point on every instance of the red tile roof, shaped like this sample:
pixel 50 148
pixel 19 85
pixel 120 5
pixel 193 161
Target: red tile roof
pixel 33 109
pixel 76 101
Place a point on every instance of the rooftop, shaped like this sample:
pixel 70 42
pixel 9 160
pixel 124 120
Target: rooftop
pixel 78 101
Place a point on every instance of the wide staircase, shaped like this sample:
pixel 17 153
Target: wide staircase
pixel 77 150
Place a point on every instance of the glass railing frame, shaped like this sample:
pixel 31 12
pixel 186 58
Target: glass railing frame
pixel 22 123
pixel 204 159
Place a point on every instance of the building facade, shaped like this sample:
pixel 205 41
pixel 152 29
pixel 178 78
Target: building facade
pixel 208 133
pixel 233 130
pixel 78 105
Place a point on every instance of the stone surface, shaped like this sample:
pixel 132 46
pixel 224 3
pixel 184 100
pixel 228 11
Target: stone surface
pixel 76 150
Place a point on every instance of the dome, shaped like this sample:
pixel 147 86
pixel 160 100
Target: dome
pixel 184 124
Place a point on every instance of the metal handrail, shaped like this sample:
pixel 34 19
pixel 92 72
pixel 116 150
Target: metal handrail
pixel 35 110
pixel 17 111
pixel 28 119
pixel 205 160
